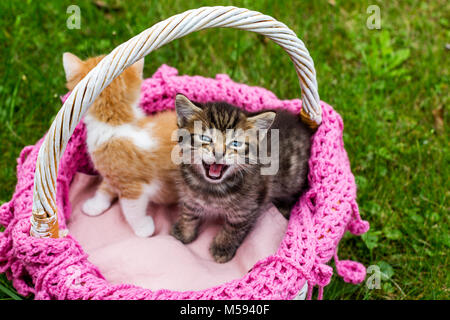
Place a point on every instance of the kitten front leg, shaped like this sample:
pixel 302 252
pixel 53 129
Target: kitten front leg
pixel 230 237
pixel 186 227
pixel 100 202
pixel 135 212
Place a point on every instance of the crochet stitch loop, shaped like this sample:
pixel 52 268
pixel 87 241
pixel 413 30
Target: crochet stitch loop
pixel 60 269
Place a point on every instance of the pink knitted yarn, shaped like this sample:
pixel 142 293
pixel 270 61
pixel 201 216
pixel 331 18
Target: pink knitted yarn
pixel 59 269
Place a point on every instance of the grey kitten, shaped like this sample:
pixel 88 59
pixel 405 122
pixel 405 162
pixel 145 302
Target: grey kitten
pixel 227 174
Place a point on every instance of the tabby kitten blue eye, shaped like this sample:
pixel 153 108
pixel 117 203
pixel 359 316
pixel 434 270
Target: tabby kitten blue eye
pixel 205 138
pixel 236 144
pixel 217 182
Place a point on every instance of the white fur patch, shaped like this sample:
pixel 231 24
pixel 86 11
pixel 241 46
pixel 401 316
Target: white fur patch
pixel 152 189
pixel 135 212
pixel 98 204
pixel 99 133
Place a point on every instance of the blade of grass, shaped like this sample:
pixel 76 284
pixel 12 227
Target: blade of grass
pixel 9 293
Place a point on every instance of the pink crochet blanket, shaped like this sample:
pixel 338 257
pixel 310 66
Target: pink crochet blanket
pixel 60 268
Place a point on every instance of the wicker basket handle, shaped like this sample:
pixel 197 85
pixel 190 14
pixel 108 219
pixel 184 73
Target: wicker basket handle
pixel 44 222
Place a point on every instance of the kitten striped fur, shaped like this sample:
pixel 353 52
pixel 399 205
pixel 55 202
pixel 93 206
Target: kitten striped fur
pixel 240 193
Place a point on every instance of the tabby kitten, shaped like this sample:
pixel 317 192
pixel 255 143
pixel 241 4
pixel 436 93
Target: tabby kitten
pixel 216 180
pixel 131 151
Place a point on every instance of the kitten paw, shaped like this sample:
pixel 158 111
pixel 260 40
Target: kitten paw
pixel 183 234
pixel 145 228
pixel 95 206
pixel 222 253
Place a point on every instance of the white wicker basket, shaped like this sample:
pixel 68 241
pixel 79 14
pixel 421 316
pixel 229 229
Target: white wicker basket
pixel 44 219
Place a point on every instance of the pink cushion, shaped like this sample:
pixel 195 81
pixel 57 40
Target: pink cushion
pixel 161 261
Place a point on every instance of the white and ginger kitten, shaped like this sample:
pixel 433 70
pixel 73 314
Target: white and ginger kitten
pixel 131 151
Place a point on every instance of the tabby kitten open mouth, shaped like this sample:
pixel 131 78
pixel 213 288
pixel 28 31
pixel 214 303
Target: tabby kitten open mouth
pixel 234 164
pixel 214 171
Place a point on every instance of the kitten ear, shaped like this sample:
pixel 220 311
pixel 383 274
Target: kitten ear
pixel 185 109
pixel 262 121
pixel 139 67
pixel 72 65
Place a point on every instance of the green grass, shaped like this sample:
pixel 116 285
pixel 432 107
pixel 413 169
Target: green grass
pixel 385 84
